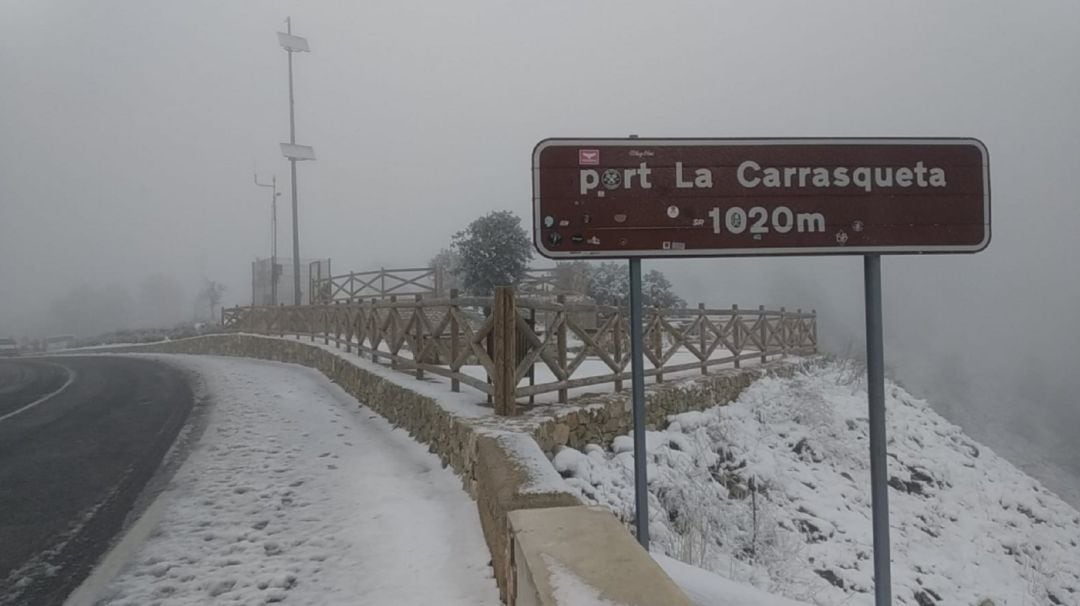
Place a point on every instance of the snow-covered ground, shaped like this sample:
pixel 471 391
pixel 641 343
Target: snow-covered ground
pixel 773 490
pixel 296 493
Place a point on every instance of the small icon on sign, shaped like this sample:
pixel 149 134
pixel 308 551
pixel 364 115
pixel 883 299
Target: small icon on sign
pixel 841 237
pixel 673 211
pixel 549 221
pixel 666 245
pixel 554 238
pixel 611 178
pixel 594 241
pixel 623 241
pixel 564 223
pixel 678 246
pixel 586 219
pixel 699 222
pixel 588 157
pixel 857 226
pixel 620 218
pixel 577 238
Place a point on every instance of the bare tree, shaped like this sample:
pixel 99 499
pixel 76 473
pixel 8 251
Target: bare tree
pixel 211 294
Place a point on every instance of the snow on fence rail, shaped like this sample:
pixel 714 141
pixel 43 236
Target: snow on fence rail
pixel 504 340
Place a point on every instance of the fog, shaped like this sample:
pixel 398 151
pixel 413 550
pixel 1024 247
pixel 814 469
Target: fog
pixel 131 131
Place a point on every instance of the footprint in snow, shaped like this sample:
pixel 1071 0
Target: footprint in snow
pixel 271 548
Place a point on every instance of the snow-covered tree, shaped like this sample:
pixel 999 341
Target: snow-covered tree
pixel 573 276
pixel 610 284
pixel 656 290
pixel 495 250
pixel 211 294
pixel 448 265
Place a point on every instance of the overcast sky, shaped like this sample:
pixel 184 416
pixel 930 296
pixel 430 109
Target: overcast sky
pixel 131 129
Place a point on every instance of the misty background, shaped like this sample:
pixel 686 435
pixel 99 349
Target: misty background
pixel 131 131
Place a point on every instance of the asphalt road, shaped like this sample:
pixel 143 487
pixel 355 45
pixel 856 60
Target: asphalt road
pixel 79 439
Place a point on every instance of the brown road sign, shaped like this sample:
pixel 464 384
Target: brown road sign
pixel 744 197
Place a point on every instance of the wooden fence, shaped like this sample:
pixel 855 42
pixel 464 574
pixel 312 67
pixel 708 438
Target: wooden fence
pixel 538 281
pixel 381 283
pixel 505 340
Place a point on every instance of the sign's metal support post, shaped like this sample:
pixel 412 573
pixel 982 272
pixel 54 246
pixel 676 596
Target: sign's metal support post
pixel 637 366
pixel 875 386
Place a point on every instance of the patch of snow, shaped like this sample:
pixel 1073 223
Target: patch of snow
pixel 706 588
pixel 297 493
pixel 774 490
pixel 570 589
pixel 542 476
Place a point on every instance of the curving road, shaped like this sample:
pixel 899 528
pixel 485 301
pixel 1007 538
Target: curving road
pixel 79 438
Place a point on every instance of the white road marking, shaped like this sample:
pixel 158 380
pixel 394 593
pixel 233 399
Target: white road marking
pixel 71 377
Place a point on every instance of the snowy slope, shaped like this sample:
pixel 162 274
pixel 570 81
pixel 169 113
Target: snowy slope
pixel 774 490
pixel 296 493
pixel 706 588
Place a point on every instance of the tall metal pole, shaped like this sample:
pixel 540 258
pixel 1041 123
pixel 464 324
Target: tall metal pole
pixel 292 170
pixel 875 386
pixel 637 367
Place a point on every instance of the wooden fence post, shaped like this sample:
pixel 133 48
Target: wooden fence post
pixel 393 332
pixel 452 309
pixel 813 329
pixel 797 339
pixel 374 331
pixel 325 308
pixel 701 338
pixel 532 367
pixel 489 345
pixel 656 340
pixel 505 316
pixel 348 327
pixel 337 323
pixel 736 330
pixel 419 337
pixel 764 333
pixel 783 333
pixel 560 344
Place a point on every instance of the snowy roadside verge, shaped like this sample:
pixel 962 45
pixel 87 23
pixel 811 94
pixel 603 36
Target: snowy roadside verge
pixel 295 491
pixel 774 490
